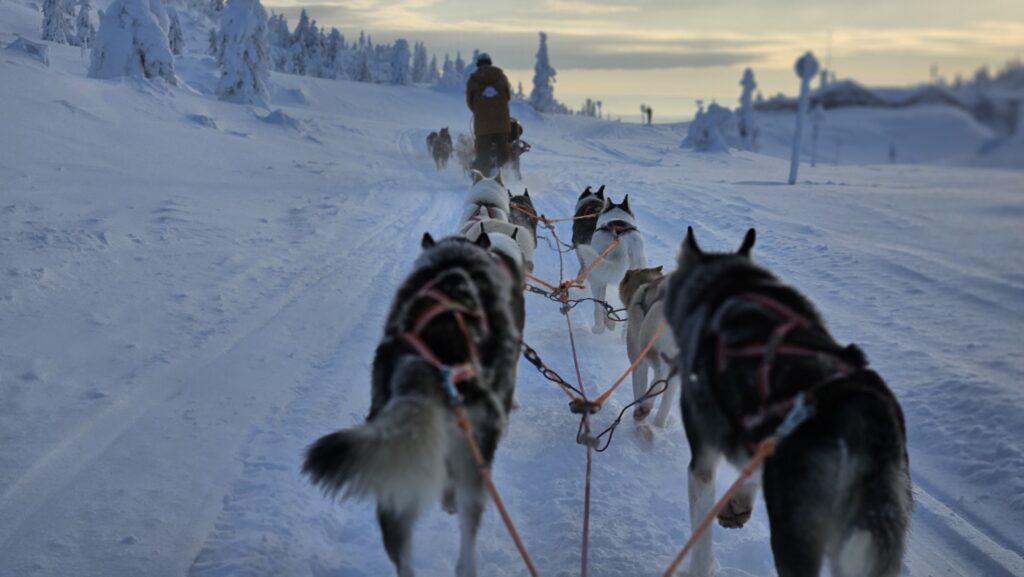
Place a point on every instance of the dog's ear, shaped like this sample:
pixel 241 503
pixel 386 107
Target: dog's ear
pixel 625 204
pixel 498 179
pixel 690 254
pixel 428 241
pixel 509 193
pixel 748 243
pixel 584 194
pixel 483 241
pixel 658 269
pixel 515 232
pixel 526 192
pixel 477 176
pixel 600 192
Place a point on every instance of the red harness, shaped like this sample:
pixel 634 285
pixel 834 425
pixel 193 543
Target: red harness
pixel 443 304
pixel 768 351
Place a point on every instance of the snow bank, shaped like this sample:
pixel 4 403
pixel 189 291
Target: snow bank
pixel 132 41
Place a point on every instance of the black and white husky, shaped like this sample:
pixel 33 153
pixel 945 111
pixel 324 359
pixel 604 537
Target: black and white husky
pixel 753 352
pixel 616 221
pixel 589 204
pixel 409 452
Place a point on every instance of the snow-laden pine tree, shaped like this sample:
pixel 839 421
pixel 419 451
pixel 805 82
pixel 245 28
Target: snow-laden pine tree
pixel 459 67
pixel 55 22
pixel 451 80
pixel 132 41
pixel 175 36
pixel 333 53
pixel 298 53
pixel 361 66
pixel 400 72
pixel 278 42
pixel 245 68
pixel 433 74
pixel 542 97
pixel 85 30
pixel 212 45
pixel 420 75
pixel 746 124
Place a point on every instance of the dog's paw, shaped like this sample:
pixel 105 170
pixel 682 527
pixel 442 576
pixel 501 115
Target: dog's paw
pixel 643 430
pixel 448 502
pixel 737 512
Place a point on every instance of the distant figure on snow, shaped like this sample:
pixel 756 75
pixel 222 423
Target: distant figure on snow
pixel 650 113
pixel 488 92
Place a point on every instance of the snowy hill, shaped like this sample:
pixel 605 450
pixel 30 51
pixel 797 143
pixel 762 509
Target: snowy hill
pixel 192 291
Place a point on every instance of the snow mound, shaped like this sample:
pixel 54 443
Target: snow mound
pixel 202 120
pixel 34 50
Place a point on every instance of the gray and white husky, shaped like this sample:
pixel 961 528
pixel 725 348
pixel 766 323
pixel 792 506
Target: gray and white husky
pixel 616 221
pixel 755 352
pixel 642 292
pixel 409 451
pixel 589 204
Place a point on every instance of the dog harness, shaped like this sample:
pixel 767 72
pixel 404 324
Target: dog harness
pixel 443 304
pixel 781 342
pixel 617 227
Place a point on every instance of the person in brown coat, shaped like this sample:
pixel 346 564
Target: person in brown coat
pixel 488 92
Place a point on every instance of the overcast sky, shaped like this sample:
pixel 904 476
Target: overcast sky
pixel 668 53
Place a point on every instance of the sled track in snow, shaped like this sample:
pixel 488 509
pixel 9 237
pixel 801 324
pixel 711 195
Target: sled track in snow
pixel 62 464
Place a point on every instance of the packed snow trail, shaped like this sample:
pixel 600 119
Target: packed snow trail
pixel 193 291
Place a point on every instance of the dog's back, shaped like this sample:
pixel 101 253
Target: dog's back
pixel 839 484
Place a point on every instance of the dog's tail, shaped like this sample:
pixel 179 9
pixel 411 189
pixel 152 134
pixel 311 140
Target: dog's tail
pixel 874 543
pixel 398 456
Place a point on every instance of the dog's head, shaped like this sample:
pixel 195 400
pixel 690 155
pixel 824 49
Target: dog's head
pixel 691 256
pixel 588 196
pixel 523 200
pixel 636 278
pixel 487 191
pixel 444 133
pixel 613 212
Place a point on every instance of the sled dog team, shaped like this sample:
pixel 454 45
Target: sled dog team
pixel 746 350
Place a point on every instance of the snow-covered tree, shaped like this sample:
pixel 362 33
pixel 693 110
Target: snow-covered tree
pixel 400 73
pixel 175 36
pixel 817 119
pixel 747 125
pixel 433 74
pixel 459 66
pixel 85 31
pixel 519 91
pixel 361 71
pixel 132 41
pixel 451 79
pixel 471 67
pixel 278 41
pixel 217 6
pixel 542 97
pixel 55 22
pixel 420 74
pixel 333 48
pixel 245 72
pixel 709 130
pixel 212 45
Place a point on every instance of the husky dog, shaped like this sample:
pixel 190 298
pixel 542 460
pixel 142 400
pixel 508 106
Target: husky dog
pixel 589 204
pixel 524 213
pixel 409 451
pixel 440 147
pixel 642 291
pixel 487 210
pixel 616 221
pixel 755 352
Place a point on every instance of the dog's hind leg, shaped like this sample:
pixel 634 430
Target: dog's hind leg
pixel 598 291
pixel 661 371
pixel 701 488
pixel 396 529
pixel 471 502
pixel 642 410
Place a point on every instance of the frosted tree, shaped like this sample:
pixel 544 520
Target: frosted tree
pixel 298 53
pixel 471 67
pixel 451 79
pixel 433 75
pixel 542 98
pixel 217 6
pixel 519 91
pixel 85 31
pixel 175 37
pixel 806 67
pixel 400 72
pixel 420 74
pixel 132 41
pixel 245 68
pixel 212 45
pixel 459 66
pixel 747 124
pixel 279 42
pixel 333 48
pixel 361 71
pixel 55 22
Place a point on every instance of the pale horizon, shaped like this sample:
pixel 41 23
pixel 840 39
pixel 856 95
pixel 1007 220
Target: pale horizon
pixel 670 54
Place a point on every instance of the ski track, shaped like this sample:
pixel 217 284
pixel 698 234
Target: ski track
pixel 280 352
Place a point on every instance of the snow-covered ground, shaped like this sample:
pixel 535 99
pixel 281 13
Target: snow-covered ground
pixel 190 292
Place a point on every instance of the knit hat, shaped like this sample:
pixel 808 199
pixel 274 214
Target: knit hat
pixel 484 59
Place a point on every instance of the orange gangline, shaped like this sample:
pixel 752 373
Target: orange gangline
pixel 657 333
pixel 764 449
pixel 467 431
